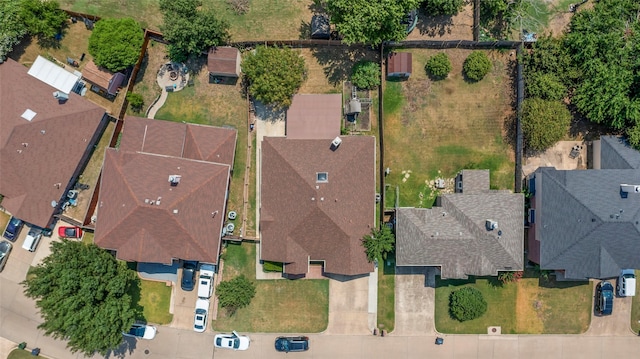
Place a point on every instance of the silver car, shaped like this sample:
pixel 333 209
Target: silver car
pixel 5 249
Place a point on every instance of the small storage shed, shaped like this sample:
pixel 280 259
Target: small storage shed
pixel 224 61
pixel 399 65
pixel 320 27
pixel 103 81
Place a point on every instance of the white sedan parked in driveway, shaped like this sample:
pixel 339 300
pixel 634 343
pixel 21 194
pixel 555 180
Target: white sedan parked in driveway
pixel 200 320
pixel 231 341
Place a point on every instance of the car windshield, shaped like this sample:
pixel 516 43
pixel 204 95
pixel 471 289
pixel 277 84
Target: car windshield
pixel 236 343
pixel 70 232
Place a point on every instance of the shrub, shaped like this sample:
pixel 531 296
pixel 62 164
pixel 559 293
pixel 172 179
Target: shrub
pixel 545 86
pixel 272 266
pixel 467 303
pixel 476 66
pixel 510 277
pixel 443 7
pixel 438 66
pixel 544 122
pixel 235 293
pixel 135 100
pixel 365 75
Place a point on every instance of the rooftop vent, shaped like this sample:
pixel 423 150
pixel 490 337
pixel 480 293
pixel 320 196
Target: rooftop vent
pixel 174 180
pixel 336 143
pixel 60 96
pixel 28 115
pixel 629 188
pixel 491 225
pixel 322 177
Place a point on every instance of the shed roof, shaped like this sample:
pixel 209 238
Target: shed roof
pixel 302 219
pixel 399 62
pixel 102 77
pixel 224 61
pixel 53 75
pixel 314 116
pixel 39 156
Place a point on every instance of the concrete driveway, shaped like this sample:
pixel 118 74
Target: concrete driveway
pixel 415 295
pixel 348 305
pixel 618 323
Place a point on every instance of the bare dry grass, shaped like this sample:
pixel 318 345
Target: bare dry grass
pixel 146 12
pixel 458 27
pixel 529 317
pixel 437 128
pixel 146 83
pixel 74 43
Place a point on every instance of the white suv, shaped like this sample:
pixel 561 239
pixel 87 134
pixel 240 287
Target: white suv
pixel 626 283
pixel 32 240
pixel 205 281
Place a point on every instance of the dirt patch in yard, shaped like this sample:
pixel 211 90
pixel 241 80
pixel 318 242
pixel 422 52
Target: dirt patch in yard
pixel 458 27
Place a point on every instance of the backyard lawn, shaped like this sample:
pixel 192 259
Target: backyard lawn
pixel 530 306
pixel 300 306
pixel 437 128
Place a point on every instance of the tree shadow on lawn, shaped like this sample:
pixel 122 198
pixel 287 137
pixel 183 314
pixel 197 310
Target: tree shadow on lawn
pixel 338 61
pixel 434 25
pixel 551 282
pixel 493 282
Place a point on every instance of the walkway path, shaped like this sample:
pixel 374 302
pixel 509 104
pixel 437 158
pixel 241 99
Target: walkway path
pixel 156 106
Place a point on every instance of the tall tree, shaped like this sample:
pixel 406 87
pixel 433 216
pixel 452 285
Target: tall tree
pixel 42 18
pixel 235 293
pixel 192 34
pixel 443 7
pixel 274 74
pixel 181 8
pixel 82 293
pixel 370 21
pixel 115 43
pixel 12 29
pixel 379 243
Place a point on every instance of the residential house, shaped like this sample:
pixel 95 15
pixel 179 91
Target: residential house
pixel 317 203
pixel 163 192
pixel 103 81
pixel 399 65
pixel 584 223
pixel 44 143
pixel 475 231
pixel 314 117
pixel 223 63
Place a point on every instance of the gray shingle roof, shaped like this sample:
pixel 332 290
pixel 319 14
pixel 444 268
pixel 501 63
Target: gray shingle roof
pixel 616 153
pixel 584 226
pixel 474 181
pixel 454 235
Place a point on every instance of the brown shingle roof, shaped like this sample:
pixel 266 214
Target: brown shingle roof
pixel 314 117
pixel 37 155
pixel 303 220
pixel 399 63
pixel 224 61
pixel 96 75
pixel 183 225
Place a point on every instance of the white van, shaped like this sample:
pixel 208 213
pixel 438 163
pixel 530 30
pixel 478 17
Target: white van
pixel 32 240
pixel 627 283
pixel 205 281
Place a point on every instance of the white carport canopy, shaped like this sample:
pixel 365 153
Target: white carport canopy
pixel 53 75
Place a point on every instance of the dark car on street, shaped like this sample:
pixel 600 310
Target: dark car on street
pixel 604 298
pixel 13 229
pixel 188 275
pixel 292 344
pixel 5 249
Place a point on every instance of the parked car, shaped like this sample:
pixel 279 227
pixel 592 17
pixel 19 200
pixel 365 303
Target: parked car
pixel 5 249
pixel 205 281
pixel 32 240
pixel 292 344
pixel 188 275
pixel 202 311
pixel 13 228
pixel 70 232
pixel 231 341
pixel 139 330
pixel 604 298
pixel 626 285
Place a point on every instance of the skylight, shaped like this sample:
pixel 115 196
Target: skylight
pixel 322 177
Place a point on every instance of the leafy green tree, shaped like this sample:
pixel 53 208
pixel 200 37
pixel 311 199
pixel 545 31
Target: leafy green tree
pixel 544 122
pixel 235 293
pixel 379 243
pixel 180 8
pixel 42 18
pixel 12 29
pixel 467 303
pixel 476 66
pixel 443 7
pixel 545 86
pixel 274 74
pixel 549 56
pixel 493 9
pixel 115 43
pixel 82 293
pixel 366 74
pixel 633 135
pixel 438 66
pixel 190 31
pixel 135 100
pixel 370 21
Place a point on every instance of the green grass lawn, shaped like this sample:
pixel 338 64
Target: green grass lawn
pixel 154 300
pixel 635 310
pixel 530 306
pixel 22 354
pixel 437 128
pixel 146 12
pixel 386 294
pixel 300 306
